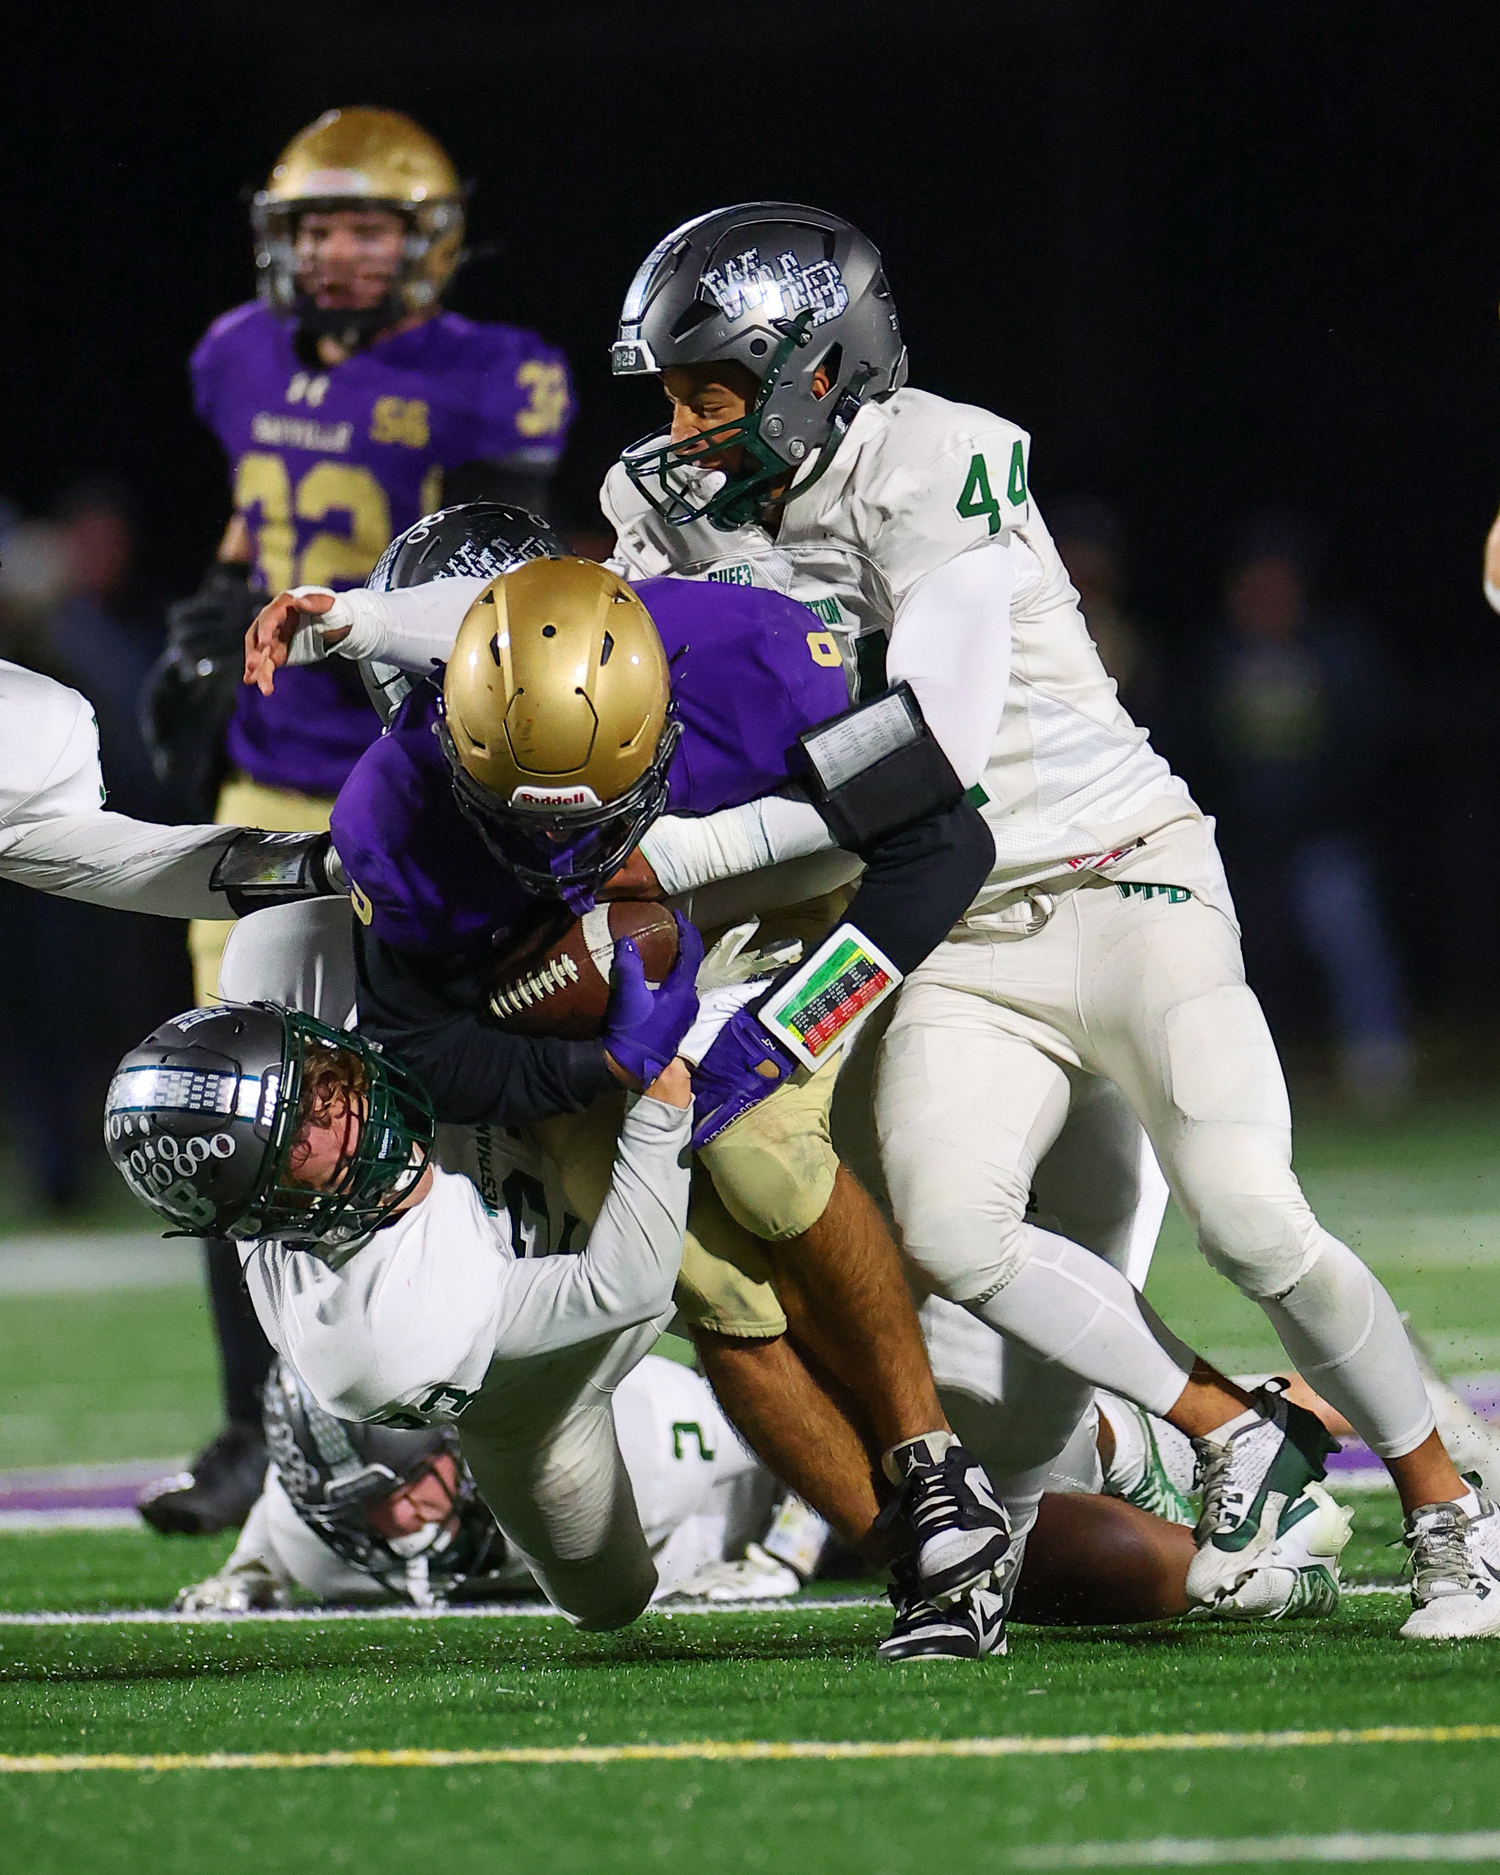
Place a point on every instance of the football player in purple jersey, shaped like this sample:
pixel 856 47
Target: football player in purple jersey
pixel 349 403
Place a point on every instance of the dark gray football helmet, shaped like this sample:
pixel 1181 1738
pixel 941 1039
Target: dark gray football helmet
pixel 780 289
pixel 478 538
pixel 201 1118
pixel 335 1470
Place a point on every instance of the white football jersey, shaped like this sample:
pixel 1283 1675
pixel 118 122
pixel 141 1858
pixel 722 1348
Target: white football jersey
pixel 408 1325
pixel 54 835
pixel 1072 784
pixel 49 752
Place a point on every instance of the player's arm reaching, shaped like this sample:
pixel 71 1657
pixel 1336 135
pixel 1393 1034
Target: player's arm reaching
pixel 626 1273
pixel 57 837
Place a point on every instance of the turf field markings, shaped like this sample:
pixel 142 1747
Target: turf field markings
pixel 1205 1852
pixel 751 1750
pixel 493 1611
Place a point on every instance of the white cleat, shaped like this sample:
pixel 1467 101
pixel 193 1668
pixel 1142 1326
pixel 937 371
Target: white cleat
pixel 759 1577
pixel 1254 1473
pixel 1300 1576
pixel 1455 1589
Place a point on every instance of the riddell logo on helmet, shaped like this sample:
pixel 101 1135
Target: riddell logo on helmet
pixel 554 797
pixel 781 288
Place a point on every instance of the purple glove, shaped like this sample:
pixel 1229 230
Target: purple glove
pixel 743 1065
pixel 643 1027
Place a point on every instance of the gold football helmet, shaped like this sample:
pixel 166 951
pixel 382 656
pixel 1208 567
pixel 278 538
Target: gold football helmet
pixel 557 722
pixel 362 159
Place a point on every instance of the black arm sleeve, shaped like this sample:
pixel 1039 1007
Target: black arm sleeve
pixel 919 882
pixel 475 1074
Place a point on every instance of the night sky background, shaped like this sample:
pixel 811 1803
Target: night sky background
pixel 1214 259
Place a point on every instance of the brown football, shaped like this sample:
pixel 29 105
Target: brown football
pixel 562 989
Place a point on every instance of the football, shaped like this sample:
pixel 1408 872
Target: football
pixel 562 988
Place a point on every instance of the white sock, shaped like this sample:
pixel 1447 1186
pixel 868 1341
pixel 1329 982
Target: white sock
pixel 1127 1467
pixel 1072 1308
pixel 1346 1340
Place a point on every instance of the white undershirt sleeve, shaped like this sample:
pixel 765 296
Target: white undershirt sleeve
pixel 951 642
pixel 108 859
pixel 686 852
pixel 626 1273
pixel 410 628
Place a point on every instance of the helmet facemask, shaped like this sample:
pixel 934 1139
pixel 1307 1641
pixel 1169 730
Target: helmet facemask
pixel 668 474
pixel 564 850
pixel 786 292
pixel 389 1155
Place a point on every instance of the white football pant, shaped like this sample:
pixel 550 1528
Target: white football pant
pixel 994 1041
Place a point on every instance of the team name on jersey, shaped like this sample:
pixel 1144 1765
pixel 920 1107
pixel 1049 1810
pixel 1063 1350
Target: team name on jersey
pixel 276 432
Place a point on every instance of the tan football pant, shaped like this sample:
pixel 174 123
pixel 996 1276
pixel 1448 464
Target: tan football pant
pixel 246 803
pixel 764 1180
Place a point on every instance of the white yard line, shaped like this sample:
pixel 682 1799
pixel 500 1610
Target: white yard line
pixel 1215 1852
pixel 479 1611
pixel 763 1751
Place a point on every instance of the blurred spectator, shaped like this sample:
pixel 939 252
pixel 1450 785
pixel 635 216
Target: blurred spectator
pixel 1300 710
pixel 1090 539
pixel 82 983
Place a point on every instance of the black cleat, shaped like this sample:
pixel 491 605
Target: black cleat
pixel 959 1528
pixel 966 1629
pixel 216 1492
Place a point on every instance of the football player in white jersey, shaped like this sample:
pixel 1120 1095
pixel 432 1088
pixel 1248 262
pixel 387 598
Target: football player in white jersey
pixel 410 627
pixel 56 836
pixel 396 1292
pixel 355 1512
pixel 1104 943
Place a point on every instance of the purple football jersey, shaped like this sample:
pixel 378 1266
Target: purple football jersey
pixel 747 679
pixel 327 465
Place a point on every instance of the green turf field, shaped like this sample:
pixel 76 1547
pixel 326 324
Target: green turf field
pixel 659 1748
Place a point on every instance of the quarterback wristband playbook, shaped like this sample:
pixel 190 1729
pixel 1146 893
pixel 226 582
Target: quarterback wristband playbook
pixel 877 769
pixel 813 1012
pixel 257 870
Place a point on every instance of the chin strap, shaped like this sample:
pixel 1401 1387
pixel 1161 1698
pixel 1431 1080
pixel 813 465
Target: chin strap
pixel 257 870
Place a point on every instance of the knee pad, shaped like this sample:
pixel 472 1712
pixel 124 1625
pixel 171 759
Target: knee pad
pixel 963 1250
pixel 1263 1245
pixel 774 1168
pixel 625 1597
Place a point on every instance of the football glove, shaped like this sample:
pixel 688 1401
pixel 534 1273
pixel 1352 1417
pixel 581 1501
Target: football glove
pixel 742 1066
pixel 643 1028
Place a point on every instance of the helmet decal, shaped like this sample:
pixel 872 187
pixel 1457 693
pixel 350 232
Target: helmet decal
pixel 780 289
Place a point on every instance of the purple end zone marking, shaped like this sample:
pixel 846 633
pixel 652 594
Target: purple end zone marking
pixel 81 1487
